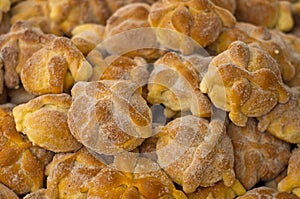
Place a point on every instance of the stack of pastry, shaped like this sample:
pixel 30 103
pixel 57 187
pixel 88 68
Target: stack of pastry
pixel 149 99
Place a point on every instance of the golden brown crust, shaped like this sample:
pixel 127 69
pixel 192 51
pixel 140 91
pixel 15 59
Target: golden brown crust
pixel 119 68
pixel 266 192
pixel 143 179
pixel 68 172
pixel 44 121
pixel 244 80
pixel 16 47
pixel 6 193
pixel 174 82
pixel 202 153
pixel 109 116
pixel 87 36
pixel 122 29
pixel 199 19
pixel 55 67
pixel 258 155
pixel 291 182
pixel 21 164
pixel 69 13
pixel 283 120
pixel 272 41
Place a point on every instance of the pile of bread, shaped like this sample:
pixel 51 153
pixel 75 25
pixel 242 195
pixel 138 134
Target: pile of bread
pixel 149 99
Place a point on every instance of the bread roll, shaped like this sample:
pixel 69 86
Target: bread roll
pixel 68 172
pixel 16 47
pixel 283 121
pixel 54 68
pixel 257 155
pixel 195 152
pixel 245 81
pixel 109 116
pixel 44 121
pixel 272 41
pixel 201 21
pixel 174 82
pixel 128 32
pixel 21 164
pixel 142 179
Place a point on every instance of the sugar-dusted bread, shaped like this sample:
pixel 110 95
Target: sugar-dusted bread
pixel 119 68
pixel 21 163
pixel 268 13
pixel 266 192
pixel 245 81
pixel 283 121
pixel 55 67
pixel 132 177
pixel 195 152
pixel 68 172
pixel 109 116
pixel 128 32
pixel 37 12
pixel 272 41
pixel 6 193
pixel 44 121
pixel 218 191
pixel 16 47
pixel 174 82
pixel 291 183
pixel 68 14
pixel 199 20
pixel 86 37
pixel 257 155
